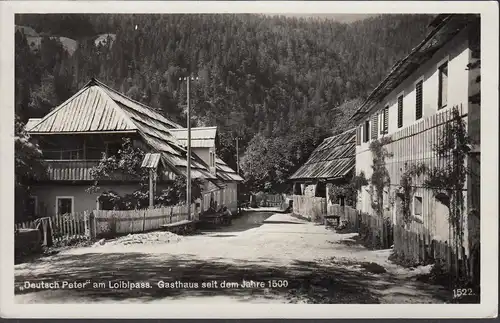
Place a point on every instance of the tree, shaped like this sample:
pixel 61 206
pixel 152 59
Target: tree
pixel 28 167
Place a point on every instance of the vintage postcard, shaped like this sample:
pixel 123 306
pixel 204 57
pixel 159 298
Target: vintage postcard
pixel 249 159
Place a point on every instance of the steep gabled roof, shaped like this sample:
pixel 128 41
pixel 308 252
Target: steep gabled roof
pixel 444 28
pixel 334 158
pixel 226 173
pixel 201 137
pixel 99 108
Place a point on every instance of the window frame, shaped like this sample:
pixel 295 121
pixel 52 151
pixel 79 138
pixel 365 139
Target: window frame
pixel 72 198
pixel 415 215
pixel 445 61
pixel 366 131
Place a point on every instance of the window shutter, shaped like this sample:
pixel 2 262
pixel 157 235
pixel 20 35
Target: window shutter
pixel 386 120
pixel 366 131
pixel 374 126
pixel 419 98
pixel 400 111
pixel 358 136
pixel 381 122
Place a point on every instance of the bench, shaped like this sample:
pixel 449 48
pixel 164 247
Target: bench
pixel 332 217
pixel 179 227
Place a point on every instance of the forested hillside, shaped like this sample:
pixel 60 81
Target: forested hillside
pixel 281 84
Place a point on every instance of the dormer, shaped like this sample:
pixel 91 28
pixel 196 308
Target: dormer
pixel 203 143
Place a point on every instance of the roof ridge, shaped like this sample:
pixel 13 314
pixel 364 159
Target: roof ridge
pixel 128 119
pixel 184 128
pixel 134 101
pixel 400 62
pixel 62 105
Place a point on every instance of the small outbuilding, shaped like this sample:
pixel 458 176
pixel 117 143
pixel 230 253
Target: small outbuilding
pixel 332 162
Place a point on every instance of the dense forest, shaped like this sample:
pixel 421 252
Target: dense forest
pixel 280 84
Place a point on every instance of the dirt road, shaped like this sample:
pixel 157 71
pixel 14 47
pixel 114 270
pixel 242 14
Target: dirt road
pixel 288 260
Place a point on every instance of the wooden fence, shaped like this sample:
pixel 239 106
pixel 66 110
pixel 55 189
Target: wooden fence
pixel 375 231
pixel 110 223
pixel 100 223
pixel 226 196
pixel 269 200
pixel 59 227
pixel 312 208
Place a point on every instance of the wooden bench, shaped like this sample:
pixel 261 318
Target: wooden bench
pixel 332 217
pixel 181 226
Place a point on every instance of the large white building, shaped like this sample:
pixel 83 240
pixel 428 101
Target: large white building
pixel 411 106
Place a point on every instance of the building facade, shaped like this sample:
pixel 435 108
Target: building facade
pixel 411 108
pixel 94 122
pixel 204 142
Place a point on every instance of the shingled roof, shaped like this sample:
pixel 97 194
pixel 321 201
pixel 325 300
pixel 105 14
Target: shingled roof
pixel 205 137
pixel 201 137
pixel 97 108
pixel 334 158
pixel 226 173
pixel 445 27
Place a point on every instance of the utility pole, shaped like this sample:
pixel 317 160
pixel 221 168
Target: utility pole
pixel 237 156
pixel 188 80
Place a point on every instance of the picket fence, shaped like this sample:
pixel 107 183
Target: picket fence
pixel 59 227
pixel 102 223
pixel 375 231
pixel 312 208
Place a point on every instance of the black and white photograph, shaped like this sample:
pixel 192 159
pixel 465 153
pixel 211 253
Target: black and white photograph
pixel 234 158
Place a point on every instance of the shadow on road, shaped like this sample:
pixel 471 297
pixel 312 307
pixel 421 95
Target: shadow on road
pixel 307 281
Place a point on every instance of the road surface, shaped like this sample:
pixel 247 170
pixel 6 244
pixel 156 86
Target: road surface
pixel 285 261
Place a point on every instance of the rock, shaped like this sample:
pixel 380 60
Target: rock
pixel 102 241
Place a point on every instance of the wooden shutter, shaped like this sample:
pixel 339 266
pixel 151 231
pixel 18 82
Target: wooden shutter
pixel 374 126
pixel 381 122
pixel 358 136
pixel 400 111
pixel 366 131
pixel 419 100
pixel 386 120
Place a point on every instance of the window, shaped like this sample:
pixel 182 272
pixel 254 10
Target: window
pixel 417 206
pixel 443 86
pixel 400 111
pixel 366 131
pixel 374 131
pixel 419 99
pixel 212 159
pixel 64 205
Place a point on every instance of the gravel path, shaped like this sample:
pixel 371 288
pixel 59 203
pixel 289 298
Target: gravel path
pixel 296 261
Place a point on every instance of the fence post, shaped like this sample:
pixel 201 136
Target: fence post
pixel 144 219
pixel 90 226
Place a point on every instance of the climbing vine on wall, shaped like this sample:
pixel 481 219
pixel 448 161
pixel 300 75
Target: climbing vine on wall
pixel 408 187
pixel 349 190
pixel 448 181
pixel 380 179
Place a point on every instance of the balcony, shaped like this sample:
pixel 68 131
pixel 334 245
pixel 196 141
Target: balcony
pixel 75 170
pixel 70 169
pixel 79 170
